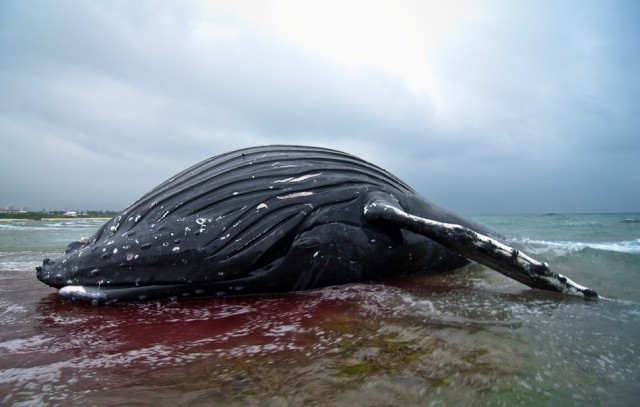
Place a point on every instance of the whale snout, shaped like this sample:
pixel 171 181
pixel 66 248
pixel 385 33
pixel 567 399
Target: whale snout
pixel 51 275
pixel 65 270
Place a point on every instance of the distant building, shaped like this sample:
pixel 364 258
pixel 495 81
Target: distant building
pixel 71 213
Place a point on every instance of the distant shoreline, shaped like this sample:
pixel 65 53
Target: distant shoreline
pixel 52 219
pixel 79 218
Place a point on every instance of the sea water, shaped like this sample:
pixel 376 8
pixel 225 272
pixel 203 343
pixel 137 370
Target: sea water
pixel 471 337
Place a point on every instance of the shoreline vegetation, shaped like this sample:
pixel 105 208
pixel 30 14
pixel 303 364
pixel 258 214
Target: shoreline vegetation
pixel 50 216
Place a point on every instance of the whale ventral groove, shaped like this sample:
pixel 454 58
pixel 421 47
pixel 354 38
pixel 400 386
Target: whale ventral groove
pixel 273 219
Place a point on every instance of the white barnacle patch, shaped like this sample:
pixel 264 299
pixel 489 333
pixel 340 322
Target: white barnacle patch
pixel 164 215
pixel 81 292
pixel 201 221
pixel 235 193
pixel 137 218
pixel 298 179
pixel 295 195
pixel 316 254
pixel 115 250
pixel 176 249
pixel 262 206
pixel 226 236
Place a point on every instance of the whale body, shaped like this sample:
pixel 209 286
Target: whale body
pixel 278 219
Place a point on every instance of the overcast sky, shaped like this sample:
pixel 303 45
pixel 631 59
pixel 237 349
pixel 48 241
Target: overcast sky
pixel 482 106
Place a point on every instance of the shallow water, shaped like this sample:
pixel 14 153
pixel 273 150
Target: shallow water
pixel 471 337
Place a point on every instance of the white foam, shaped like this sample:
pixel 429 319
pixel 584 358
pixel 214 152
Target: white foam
pixel 24 345
pixel 627 246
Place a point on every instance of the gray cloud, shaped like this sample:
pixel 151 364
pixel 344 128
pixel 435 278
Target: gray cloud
pixel 102 101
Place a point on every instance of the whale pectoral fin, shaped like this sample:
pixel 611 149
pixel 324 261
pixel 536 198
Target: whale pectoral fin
pixel 476 247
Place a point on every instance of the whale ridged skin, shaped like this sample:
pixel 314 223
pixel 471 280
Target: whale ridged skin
pixel 277 219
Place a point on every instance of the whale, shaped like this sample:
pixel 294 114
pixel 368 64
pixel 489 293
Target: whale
pixel 280 218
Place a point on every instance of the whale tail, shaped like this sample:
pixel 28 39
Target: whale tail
pixel 476 247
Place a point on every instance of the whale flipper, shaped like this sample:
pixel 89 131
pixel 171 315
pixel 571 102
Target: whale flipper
pixel 476 247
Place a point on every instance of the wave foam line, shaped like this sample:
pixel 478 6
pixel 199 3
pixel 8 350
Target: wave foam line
pixel 627 246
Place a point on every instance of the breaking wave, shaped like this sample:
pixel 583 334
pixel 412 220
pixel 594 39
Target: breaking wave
pixel 626 246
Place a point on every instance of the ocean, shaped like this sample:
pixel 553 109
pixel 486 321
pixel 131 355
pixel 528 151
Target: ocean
pixel 471 337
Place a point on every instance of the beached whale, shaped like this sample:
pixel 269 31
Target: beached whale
pixel 278 219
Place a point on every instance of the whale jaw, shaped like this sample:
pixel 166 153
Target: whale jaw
pixel 84 293
pixel 124 293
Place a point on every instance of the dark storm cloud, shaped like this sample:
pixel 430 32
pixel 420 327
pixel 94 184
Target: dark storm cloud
pixel 99 108
pixel 103 100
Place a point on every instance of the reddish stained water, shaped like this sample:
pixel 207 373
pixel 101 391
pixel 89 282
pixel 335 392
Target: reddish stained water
pixel 452 339
pixel 301 347
pixel 54 349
